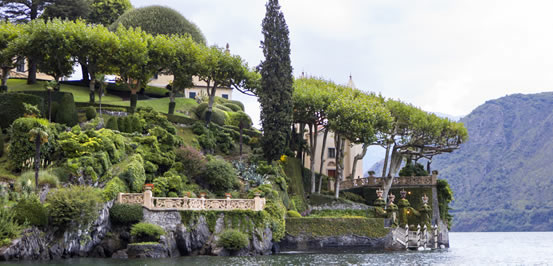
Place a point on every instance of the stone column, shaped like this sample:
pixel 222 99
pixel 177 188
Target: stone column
pixel 120 198
pixel 435 206
pixel 258 203
pixel 148 197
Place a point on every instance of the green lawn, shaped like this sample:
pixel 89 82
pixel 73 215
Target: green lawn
pixel 80 94
pixel 162 104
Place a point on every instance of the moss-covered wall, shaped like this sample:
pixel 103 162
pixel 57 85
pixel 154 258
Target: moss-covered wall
pixel 323 227
pixel 296 187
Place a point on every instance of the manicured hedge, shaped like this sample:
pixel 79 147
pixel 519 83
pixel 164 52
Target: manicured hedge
pixel 293 214
pixel 126 214
pixel 146 232
pixel 105 107
pixel 322 227
pixel 60 101
pixel 12 106
pixel 151 91
pixel 240 104
pixel 66 112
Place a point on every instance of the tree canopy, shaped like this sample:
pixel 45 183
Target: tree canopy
pixel 93 47
pixel 9 51
pixel 67 9
pixel 51 45
pixel 133 60
pixel 159 20
pixel 106 12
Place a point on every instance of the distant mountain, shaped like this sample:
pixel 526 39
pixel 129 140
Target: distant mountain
pixel 502 177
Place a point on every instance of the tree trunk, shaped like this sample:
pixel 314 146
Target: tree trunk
pixel 386 156
pixel 31 77
pixel 313 142
pixel 172 103
pixel 210 103
pixel 395 163
pixel 57 87
pixel 49 105
pixel 37 159
pixel 241 132
pixel 299 155
pixel 340 142
pixel 5 75
pixel 100 97
pixel 84 70
pixel 322 160
pixel 134 97
pixel 91 84
pixel 357 158
pixel 428 165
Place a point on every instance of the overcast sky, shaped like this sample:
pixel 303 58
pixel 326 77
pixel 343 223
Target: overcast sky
pixel 443 56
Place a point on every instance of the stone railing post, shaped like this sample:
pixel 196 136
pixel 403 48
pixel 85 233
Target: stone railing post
pixel 418 236
pixel 147 200
pixel 435 236
pixel 258 202
pixel 202 197
pixel 406 236
pixel 120 198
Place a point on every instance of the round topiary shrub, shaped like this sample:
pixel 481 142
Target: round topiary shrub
pixel 30 210
pixel 112 123
pixel 233 107
pixel 68 111
pixel 220 176
pixel 200 109
pixel 146 232
pixel 233 240
pixel 90 113
pixel 238 103
pixel 218 116
pixel 293 214
pixel 159 20
pixel 121 124
pixel 126 214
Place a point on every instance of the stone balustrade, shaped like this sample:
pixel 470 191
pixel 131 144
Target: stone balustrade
pixel 165 203
pixel 404 181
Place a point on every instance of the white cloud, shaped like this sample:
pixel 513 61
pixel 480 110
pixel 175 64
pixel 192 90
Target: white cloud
pixel 444 56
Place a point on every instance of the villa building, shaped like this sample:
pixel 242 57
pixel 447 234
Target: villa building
pixel 329 163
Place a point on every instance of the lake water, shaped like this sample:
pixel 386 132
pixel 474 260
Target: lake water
pixel 520 248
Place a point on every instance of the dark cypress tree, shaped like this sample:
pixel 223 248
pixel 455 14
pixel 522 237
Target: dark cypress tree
pixel 275 95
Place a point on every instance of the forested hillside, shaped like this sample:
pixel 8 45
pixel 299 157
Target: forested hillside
pixel 503 176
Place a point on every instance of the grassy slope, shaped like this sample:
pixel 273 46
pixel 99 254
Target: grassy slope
pixel 81 94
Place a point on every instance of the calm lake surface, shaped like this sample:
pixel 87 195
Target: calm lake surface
pixel 520 248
